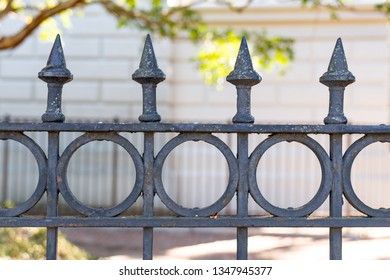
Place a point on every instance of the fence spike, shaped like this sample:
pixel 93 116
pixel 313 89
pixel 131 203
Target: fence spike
pixel 149 75
pixel 148 71
pixel 243 72
pixel 55 69
pixel 55 74
pixel 243 77
pixel 338 73
pixel 336 79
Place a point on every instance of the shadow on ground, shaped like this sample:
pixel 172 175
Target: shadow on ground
pixel 202 244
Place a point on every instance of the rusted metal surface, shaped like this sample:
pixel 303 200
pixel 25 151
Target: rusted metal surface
pixel 242 183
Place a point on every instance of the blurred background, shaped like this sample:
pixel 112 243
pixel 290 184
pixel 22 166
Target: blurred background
pixel 196 43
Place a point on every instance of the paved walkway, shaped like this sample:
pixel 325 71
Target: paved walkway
pixel 298 244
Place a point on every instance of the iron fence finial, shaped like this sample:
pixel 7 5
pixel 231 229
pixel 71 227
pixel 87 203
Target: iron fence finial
pixel 338 73
pixel 337 78
pixel 149 75
pixel 55 74
pixel 243 77
pixel 243 72
pixel 148 71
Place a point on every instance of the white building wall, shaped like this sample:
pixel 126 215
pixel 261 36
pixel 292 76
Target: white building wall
pixel 297 96
pixel 101 58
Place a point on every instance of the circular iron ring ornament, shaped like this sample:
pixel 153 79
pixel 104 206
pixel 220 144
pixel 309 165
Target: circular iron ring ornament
pixel 326 178
pixel 41 160
pixel 101 211
pixel 348 159
pixel 225 198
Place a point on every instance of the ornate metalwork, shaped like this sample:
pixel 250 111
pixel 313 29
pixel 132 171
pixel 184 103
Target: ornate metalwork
pixel 55 74
pixel 318 198
pixel 335 168
pixel 41 160
pixel 63 182
pixel 226 196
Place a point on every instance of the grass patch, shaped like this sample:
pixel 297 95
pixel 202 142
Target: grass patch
pixel 30 244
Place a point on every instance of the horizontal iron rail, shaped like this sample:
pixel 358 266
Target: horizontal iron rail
pixel 198 127
pixel 188 222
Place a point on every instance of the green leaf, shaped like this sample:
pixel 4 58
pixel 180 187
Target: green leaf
pixel 217 54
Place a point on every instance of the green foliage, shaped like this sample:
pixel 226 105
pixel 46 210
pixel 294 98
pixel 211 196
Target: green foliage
pixel 316 3
pixel 30 243
pixel 216 57
pixel 7 204
pixel 384 7
pixel 218 47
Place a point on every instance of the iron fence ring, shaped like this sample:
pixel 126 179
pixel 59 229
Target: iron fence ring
pixel 326 176
pixel 41 160
pixel 101 211
pixel 348 160
pixel 225 198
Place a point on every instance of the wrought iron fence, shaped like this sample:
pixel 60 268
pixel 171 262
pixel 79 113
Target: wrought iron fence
pixel 99 174
pixel 242 181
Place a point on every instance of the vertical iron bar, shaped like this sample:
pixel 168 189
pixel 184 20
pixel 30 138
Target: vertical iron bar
pixel 114 174
pixel 148 75
pixel 336 195
pixel 4 179
pixel 114 171
pixel 336 79
pixel 55 74
pixel 243 77
pixel 348 142
pixel 242 194
pixel 52 194
pixel 148 194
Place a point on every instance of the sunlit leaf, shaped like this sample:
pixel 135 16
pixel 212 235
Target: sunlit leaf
pixel 49 29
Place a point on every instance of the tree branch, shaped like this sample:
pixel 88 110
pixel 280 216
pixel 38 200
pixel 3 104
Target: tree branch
pixel 7 9
pixel 120 11
pixel 12 41
pixel 144 17
pixel 233 7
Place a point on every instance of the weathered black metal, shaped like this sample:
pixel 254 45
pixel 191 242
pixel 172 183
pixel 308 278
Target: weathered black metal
pixel 67 194
pixel 149 75
pixel 335 168
pixel 336 78
pixel 244 78
pixel 55 74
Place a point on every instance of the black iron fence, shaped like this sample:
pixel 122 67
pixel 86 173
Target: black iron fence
pixel 195 174
pixel 241 182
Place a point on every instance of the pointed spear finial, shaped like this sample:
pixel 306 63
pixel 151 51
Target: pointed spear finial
pixel 243 77
pixel 148 70
pixel 338 73
pixel 149 75
pixel 243 72
pixel 55 70
pixel 336 79
pixel 55 74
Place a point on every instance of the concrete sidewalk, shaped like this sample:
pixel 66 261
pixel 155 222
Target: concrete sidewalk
pixel 186 244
